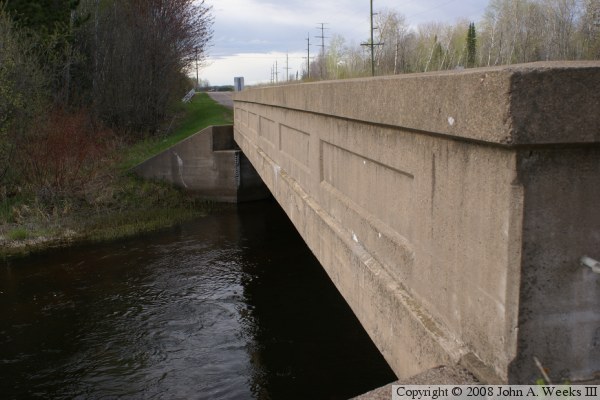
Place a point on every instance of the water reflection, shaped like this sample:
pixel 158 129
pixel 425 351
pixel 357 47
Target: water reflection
pixel 231 306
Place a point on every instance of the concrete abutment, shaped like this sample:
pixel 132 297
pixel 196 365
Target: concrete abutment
pixel 208 164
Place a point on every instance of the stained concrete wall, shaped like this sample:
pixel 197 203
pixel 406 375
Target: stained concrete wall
pixel 209 164
pixel 450 209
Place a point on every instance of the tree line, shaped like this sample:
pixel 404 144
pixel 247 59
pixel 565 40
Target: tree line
pixel 73 70
pixel 511 31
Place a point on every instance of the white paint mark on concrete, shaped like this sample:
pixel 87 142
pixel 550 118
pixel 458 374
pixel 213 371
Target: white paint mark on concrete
pixel 590 263
pixel 276 170
pixel 180 165
pixel 451 121
pixel 354 237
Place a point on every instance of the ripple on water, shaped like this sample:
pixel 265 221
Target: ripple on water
pixel 197 312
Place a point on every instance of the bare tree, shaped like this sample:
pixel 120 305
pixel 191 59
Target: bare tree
pixel 589 30
pixel 511 31
pixel 391 28
pixel 531 30
pixel 23 89
pixel 140 51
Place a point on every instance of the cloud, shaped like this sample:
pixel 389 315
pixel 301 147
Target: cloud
pixel 246 28
pixel 247 25
pixel 255 67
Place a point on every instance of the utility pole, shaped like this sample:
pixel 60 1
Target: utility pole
pixel 372 43
pixel 308 56
pixel 276 73
pixel 322 45
pixel 287 67
pixel 396 56
pixel 197 80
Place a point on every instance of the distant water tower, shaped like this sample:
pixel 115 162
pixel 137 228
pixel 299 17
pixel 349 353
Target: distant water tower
pixel 238 82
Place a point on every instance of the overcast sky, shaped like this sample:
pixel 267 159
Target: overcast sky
pixel 251 35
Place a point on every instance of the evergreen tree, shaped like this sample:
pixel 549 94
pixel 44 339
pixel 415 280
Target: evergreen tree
pixel 471 46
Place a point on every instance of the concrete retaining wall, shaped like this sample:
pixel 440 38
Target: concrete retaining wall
pixel 450 209
pixel 209 164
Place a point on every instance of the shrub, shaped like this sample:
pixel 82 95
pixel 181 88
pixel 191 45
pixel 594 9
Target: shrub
pixel 62 153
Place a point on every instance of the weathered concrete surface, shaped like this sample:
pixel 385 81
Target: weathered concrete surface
pixel 450 209
pixel 518 104
pixel 209 164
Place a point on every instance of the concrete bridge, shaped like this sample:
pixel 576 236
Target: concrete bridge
pixel 450 209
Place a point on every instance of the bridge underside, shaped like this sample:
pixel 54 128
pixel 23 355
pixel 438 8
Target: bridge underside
pixel 451 210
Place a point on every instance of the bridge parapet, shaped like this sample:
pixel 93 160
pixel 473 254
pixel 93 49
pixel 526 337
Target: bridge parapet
pixel 450 209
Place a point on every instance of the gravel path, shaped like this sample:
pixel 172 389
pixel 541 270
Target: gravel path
pixel 224 98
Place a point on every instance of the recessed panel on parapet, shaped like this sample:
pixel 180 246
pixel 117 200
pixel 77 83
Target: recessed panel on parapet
pixel 253 122
pixel 267 129
pixel 295 144
pixel 358 178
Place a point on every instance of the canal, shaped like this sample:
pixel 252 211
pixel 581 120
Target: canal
pixel 229 306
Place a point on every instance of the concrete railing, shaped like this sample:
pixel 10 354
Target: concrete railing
pixel 450 209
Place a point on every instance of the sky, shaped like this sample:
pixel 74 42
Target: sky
pixel 251 36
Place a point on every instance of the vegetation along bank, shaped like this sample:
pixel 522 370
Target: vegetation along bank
pixel 87 90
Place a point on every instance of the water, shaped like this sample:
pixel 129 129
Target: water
pixel 230 306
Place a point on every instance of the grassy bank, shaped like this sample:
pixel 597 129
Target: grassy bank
pixel 113 203
pixel 201 112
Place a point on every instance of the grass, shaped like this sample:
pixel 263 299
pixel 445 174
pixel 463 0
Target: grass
pixel 139 205
pixel 131 223
pixel 18 234
pixel 199 113
pixel 113 204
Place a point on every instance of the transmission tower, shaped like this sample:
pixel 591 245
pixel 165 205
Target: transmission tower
pixel 322 45
pixel 287 67
pixel 308 56
pixel 372 43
